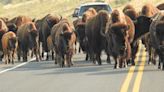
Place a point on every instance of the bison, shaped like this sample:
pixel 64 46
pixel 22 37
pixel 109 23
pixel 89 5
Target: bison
pixel 44 26
pixel 119 34
pixel 149 10
pixel 64 38
pixel 95 35
pixel 80 28
pixel 9 45
pixel 27 39
pixel 3 30
pixel 118 44
pixel 157 38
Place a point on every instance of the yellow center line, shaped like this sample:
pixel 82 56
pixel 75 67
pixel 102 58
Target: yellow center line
pixel 138 79
pixel 125 86
pixel 126 83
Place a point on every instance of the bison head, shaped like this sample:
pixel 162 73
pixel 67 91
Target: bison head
pixel 120 37
pixel 65 41
pixel 142 24
pixel 115 16
pixel 12 27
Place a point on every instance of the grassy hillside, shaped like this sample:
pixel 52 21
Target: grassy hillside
pixel 40 8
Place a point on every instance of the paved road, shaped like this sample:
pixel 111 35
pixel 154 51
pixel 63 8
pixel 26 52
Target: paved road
pixel 83 77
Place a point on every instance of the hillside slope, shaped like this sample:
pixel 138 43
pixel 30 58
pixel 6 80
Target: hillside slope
pixel 40 8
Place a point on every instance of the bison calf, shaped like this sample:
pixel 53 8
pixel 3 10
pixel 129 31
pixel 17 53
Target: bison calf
pixel 9 45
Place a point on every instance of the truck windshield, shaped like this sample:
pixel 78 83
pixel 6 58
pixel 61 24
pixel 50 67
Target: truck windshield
pixel 96 7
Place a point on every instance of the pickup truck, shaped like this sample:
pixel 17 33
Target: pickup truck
pixel 78 12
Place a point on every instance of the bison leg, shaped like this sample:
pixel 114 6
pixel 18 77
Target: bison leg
pixel 87 56
pixel 55 58
pixel 68 60
pixel 120 63
pixel 98 59
pixel 116 65
pixel 1 57
pixel 108 59
pixel 36 54
pixel 47 57
pixel 150 56
pixel 12 57
pixel 9 58
pixel 93 58
pixel 6 58
pixel 52 55
pixel 24 56
pixel 42 54
pixel 79 49
pixel 159 65
pixel 61 61
pixel 18 54
pixel 134 49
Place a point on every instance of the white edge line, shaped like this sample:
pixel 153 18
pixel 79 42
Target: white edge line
pixel 19 65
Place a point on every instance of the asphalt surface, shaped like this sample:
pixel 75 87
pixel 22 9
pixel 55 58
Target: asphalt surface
pixel 84 76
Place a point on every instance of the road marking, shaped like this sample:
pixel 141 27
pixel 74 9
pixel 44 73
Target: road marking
pixel 19 65
pixel 125 86
pixel 138 79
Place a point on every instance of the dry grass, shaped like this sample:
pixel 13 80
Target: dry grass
pixel 40 8
pixel 139 3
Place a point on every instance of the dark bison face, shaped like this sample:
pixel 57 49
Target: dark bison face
pixel 80 30
pixel 142 25
pixel 120 36
pixel 115 16
pixel 65 39
pixel 12 27
pixel 159 34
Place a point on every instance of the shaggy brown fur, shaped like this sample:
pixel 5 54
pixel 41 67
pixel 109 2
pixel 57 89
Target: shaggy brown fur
pixel 120 22
pixel 44 26
pixel 90 13
pixel 130 11
pixel 3 29
pixel 28 39
pixel 63 38
pixel 95 30
pixel 149 10
pixel 127 7
pixel 157 38
pixel 9 45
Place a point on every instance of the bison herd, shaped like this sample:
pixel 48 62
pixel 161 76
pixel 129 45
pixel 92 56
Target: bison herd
pixel 117 34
